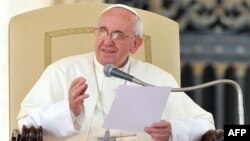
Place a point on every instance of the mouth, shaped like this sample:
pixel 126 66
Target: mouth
pixel 108 51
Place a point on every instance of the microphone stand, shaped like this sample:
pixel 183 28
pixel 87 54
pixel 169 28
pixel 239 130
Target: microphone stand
pixel 208 84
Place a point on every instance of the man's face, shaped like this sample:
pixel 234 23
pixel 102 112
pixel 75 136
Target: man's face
pixel 115 51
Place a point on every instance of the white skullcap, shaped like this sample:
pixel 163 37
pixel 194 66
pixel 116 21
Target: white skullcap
pixel 140 26
pixel 121 6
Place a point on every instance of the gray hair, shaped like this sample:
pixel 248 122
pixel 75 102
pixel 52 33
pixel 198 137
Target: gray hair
pixel 138 28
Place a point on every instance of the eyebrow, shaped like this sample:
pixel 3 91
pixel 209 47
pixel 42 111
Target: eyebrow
pixel 116 31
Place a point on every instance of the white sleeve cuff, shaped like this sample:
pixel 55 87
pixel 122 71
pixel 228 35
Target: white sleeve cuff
pixel 189 130
pixel 78 121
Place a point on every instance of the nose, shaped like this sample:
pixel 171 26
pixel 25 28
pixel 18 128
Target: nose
pixel 108 41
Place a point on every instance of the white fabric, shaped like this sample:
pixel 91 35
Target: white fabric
pixel 47 102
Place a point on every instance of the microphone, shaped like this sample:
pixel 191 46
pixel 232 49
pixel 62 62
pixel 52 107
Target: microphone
pixel 110 70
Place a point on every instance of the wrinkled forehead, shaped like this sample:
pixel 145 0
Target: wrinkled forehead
pixel 121 6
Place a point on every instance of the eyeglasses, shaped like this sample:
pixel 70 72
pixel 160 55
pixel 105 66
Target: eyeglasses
pixel 102 33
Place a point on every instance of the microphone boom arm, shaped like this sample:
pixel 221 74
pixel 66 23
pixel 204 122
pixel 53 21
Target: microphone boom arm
pixel 208 84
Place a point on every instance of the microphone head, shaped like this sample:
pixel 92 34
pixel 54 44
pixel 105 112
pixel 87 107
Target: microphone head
pixel 107 69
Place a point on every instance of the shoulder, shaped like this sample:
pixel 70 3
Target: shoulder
pixel 146 67
pixel 72 65
pixel 75 60
pixel 151 73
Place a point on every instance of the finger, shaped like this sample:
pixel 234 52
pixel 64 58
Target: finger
pixel 76 81
pixel 80 99
pixel 150 130
pixel 79 83
pixel 76 105
pixel 75 84
pixel 80 90
pixel 78 102
pixel 159 136
pixel 161 124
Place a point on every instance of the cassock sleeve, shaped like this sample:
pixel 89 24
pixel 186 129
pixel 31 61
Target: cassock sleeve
pixel 55 120
pixel 189 129
pixel 47 105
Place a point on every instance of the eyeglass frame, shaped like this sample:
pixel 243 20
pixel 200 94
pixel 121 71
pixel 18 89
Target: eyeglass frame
pixel 102 33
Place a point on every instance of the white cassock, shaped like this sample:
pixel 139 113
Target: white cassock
pixel 47 102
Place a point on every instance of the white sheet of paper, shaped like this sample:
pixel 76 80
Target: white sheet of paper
pixel 136 107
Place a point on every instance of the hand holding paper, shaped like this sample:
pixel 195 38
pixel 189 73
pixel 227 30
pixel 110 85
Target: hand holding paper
pixel 160 130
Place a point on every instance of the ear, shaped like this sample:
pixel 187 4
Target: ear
pixel 137 43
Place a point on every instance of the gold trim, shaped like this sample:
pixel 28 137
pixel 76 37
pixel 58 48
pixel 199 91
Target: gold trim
pixel 85 30
pixel 147 44
pixel 47 50
pixel 59 33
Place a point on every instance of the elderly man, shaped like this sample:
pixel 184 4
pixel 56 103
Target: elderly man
pixel 73 96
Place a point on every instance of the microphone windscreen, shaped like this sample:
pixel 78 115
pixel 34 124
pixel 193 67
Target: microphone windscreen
pixel 107 69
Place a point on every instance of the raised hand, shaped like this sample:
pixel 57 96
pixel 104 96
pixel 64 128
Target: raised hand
pixel 77 95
